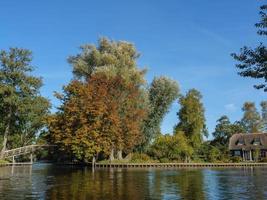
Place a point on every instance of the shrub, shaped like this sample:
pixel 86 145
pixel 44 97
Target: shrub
pixel 263 159
pixel 140 157
pixel 236 159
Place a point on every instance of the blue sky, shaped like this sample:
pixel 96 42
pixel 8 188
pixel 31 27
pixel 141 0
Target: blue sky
pixel 187 40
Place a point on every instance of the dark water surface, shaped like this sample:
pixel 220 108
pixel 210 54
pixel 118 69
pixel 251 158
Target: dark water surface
pixel 43 181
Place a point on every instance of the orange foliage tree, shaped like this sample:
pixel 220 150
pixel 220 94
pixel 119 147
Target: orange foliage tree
pixel 98 116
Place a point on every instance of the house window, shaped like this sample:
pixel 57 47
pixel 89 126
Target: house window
pixel 240 142
pixel 237 153
pixel 256 141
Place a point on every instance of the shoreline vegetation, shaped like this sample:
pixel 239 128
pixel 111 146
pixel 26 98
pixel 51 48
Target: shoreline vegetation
pixel 109 113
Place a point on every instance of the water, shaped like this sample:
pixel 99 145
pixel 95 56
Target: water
pixel 43 181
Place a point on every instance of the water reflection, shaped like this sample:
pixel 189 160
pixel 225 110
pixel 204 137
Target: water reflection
pixel 57 182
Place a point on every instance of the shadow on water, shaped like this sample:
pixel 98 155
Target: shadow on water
pixel 42 181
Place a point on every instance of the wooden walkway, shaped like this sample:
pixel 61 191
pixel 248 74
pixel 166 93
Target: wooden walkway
pixel 23 150
pixel 175 165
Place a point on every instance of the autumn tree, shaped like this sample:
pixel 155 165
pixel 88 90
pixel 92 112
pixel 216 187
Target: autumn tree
pixel 253 62
pixel 89 120
pixel 162 92
pixel 251 119
pixel 191 117
pixel 22 108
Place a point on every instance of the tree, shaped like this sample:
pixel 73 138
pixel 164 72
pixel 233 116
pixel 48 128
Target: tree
pixel 264 116
pixel 112 57
pixel 191 117
pixel 171 148
pixel 251 118
pixel 253 62
pixel 162 92
pixel 224 130
pixel 22 108
pixel 89 121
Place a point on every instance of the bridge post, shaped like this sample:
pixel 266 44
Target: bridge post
pixel 13 160
pixel 31 158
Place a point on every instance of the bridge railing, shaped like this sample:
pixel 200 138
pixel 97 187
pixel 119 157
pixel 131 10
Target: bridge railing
pixel 23 150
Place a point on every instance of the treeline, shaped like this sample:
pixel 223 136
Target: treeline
pixel 251 122
pixel 108 111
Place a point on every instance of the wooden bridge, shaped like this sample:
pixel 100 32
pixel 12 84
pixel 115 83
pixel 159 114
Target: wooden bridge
pixel 30 149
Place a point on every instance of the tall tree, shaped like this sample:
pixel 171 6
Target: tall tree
pixel 22 108
pixel 192 118
pixel 162 92
pixel 112 57
pixel 251 118
pixel 90 120
pixel 264 116
pixel 224 130
pixel 253 62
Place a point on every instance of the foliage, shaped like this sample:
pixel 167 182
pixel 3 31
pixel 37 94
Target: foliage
pixel 90 120
pixel 162 92
pixel 251 120
pixel 141 158
pixel 236 159
pixel 224 130
pixel 3 162
pixel 110 57
pixel 171 148
pixel 191 117
pixel 22 108
pixel 252 62
pixel 264 116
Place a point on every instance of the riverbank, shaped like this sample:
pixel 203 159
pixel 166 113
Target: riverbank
pixel 15 164
pixel 176 165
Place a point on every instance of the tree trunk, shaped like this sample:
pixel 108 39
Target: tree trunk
pixel 111 156
pixel 6 133
pixel 119 155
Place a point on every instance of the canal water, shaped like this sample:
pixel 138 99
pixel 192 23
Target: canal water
pixel 44 181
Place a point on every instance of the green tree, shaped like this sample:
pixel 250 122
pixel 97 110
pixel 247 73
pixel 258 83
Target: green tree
pixel 162 92
pixel 192 118
pixel 264 116
pixel 251 119
pixel 252 62
pixel 222 133
pixel 22 108
pixel 224 130
pixel 171 148
pixel 112 57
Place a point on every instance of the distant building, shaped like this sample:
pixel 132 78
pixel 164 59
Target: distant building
pixel 249 147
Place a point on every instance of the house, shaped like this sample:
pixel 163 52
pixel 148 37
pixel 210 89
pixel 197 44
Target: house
pixel 249 147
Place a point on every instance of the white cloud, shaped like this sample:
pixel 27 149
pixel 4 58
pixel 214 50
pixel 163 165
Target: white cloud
pixel 230 107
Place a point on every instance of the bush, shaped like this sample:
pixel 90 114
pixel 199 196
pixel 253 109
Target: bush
pixel 263 160
pixel 3 162
pixel 164 160
pixel 236 159
pixel 140 157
